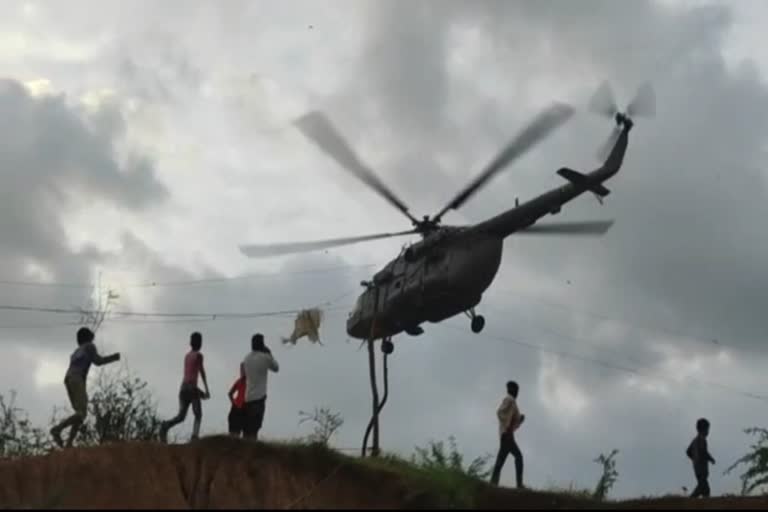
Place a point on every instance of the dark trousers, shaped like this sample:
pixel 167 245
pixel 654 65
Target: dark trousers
pixel 702 486
pixel 254 417
pixel 508 446
pixel 188 395
pixel 236 420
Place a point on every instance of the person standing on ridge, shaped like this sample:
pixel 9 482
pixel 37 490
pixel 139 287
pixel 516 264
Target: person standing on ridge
pixel 699 454
pixel 236 417
pixel 510 420
pixel 75 382
pixel 190 394
pixel 257 365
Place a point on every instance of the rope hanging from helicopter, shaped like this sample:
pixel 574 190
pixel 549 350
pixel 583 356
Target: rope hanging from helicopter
pixel 378 405
pixel 373 422
pixel 409 271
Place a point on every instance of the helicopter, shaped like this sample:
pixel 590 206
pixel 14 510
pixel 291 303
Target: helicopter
pixel 446 272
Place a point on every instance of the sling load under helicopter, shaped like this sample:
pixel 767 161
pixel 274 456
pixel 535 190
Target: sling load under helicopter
pixel 448 270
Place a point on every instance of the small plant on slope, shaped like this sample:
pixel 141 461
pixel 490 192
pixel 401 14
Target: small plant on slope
pixel 326 424
pixel 755 477
pixel 120 408
pixel 18 438
pixel 609 476
pixel 434 457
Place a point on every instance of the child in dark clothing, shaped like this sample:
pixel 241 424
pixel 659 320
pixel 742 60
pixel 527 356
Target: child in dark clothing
pixel 699 455
pixel 236 418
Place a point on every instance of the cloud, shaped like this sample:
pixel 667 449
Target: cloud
pixel 56 159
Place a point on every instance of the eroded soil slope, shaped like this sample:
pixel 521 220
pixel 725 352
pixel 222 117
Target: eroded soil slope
pixel 226 473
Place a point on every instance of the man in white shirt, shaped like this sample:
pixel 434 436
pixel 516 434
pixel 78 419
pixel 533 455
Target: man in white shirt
pixel 256 367
pixel 510 420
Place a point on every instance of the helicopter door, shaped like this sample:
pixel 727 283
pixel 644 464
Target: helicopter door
pixel 434 264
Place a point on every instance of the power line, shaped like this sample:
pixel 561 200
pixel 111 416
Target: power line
pixel 192 282
pixel 630 323
pixel 155 284
pixel 189 282
pixel 546 329
pixel 187 315
pixel 152 314
pixel 46 326
pixel 606 364
pixel 165 321
pixel 214 315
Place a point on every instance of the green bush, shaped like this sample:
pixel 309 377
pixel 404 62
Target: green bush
pixel 326 424
pixel 609 476
pixel 120 408
pixel 440 471
pixel 755 477
pixel 18 438
pixel 433 457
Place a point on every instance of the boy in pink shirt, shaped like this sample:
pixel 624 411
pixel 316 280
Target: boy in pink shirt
pixel 190 394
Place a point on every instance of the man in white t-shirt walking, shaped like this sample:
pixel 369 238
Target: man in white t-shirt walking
pixel 510 420
pixel 256 367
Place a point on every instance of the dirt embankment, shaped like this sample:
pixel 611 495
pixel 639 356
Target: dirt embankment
pixel 225 473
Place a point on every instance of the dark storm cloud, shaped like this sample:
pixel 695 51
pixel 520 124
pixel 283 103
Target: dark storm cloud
pixel 55 160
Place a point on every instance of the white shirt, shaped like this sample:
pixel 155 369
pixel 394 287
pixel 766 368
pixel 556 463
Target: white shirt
pixel 509 415
pixel 256 366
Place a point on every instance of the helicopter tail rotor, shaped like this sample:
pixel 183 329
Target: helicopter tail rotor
pixel 603 103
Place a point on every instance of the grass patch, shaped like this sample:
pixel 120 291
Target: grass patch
pixel 451 488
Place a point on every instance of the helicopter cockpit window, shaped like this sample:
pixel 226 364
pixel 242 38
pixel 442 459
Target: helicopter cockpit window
pixel 358 306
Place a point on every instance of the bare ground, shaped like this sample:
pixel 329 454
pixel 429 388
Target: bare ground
pixel 226 473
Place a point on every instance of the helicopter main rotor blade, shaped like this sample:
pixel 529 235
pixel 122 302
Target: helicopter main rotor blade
pixel 603 102
pixel 536 130
pixel 644 103
pixel 263 251
pixel 595 228
pixel 316 126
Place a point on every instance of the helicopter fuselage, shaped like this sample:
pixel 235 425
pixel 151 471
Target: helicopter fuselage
pixel 447 272
pixel 439 279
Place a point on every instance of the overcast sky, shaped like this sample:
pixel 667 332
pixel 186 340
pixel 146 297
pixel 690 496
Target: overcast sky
pixel 146 140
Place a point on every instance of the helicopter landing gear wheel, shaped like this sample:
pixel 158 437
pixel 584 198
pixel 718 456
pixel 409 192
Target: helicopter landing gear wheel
pixel 478 322
pixel 387 347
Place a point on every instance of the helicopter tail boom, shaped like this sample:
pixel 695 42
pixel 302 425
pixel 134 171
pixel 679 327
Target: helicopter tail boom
pixel 582 180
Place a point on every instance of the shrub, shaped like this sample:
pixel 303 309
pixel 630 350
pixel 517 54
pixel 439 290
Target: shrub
pixel 18 438
pixel 756 475
pixel 609 476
